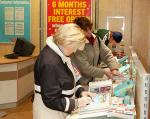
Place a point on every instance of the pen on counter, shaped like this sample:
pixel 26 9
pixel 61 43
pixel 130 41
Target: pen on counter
pixel 91 98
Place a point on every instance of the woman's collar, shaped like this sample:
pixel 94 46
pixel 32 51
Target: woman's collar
pixel 55 48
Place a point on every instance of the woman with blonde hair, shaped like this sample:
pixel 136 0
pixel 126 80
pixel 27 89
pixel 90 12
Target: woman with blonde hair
pixel 57 89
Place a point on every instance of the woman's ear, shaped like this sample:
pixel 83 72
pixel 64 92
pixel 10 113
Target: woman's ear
pixel 111 34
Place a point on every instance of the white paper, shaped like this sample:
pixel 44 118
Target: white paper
pixel 19 28
pixel 9 13
pixel 19 13
pixel 9 28
pixel 98 104
pixel 104 113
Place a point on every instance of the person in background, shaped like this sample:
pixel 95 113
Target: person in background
pixel 94 52
pixel 56 79
pixel 109 37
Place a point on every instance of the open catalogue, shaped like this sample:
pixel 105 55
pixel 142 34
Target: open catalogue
pixel 101 102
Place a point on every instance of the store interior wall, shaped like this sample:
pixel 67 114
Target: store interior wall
pixel 141 31
pixel 6 48
pixel 35 25
pixel 43 23
pixel 114 15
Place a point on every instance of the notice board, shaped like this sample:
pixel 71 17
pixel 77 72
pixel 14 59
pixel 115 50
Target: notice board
pixel 15 19
pixel 65 11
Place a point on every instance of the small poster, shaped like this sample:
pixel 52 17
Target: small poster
pixel 19 13
pixel 9 28
pixel 19 28
pixel 9 13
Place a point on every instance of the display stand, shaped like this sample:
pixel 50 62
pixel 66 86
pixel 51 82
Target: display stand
pixel 142 78
pixel 142 86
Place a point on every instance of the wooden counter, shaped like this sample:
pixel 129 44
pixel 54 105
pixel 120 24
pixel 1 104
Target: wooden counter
pixel 16 80
pixel 4 60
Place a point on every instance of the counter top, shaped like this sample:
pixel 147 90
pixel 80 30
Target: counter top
pixel 4 60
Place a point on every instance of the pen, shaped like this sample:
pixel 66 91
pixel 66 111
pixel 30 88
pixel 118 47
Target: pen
pixel 92 99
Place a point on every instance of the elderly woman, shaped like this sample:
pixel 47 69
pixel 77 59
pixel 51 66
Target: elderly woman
pixel 56 79
pixel 93 54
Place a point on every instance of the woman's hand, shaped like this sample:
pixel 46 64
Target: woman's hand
pixel 112 72
pixel 108 73
pixel 116 73
pixel 83 101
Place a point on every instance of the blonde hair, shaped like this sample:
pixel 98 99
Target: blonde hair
pixel 69 34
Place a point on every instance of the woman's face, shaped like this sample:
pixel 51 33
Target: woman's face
pixel 72 48
pixel 112 41
pixel 88 33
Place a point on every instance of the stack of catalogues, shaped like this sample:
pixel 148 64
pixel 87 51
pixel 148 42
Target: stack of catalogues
pixel 122 111
pixel 101 87
pixel 101 102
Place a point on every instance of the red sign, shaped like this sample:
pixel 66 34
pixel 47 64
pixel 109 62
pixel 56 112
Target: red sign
pixel 65 11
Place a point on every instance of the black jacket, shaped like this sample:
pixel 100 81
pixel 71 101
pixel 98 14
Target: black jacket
pixel 56 81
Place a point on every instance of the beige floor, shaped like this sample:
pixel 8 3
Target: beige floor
pixel 23 111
